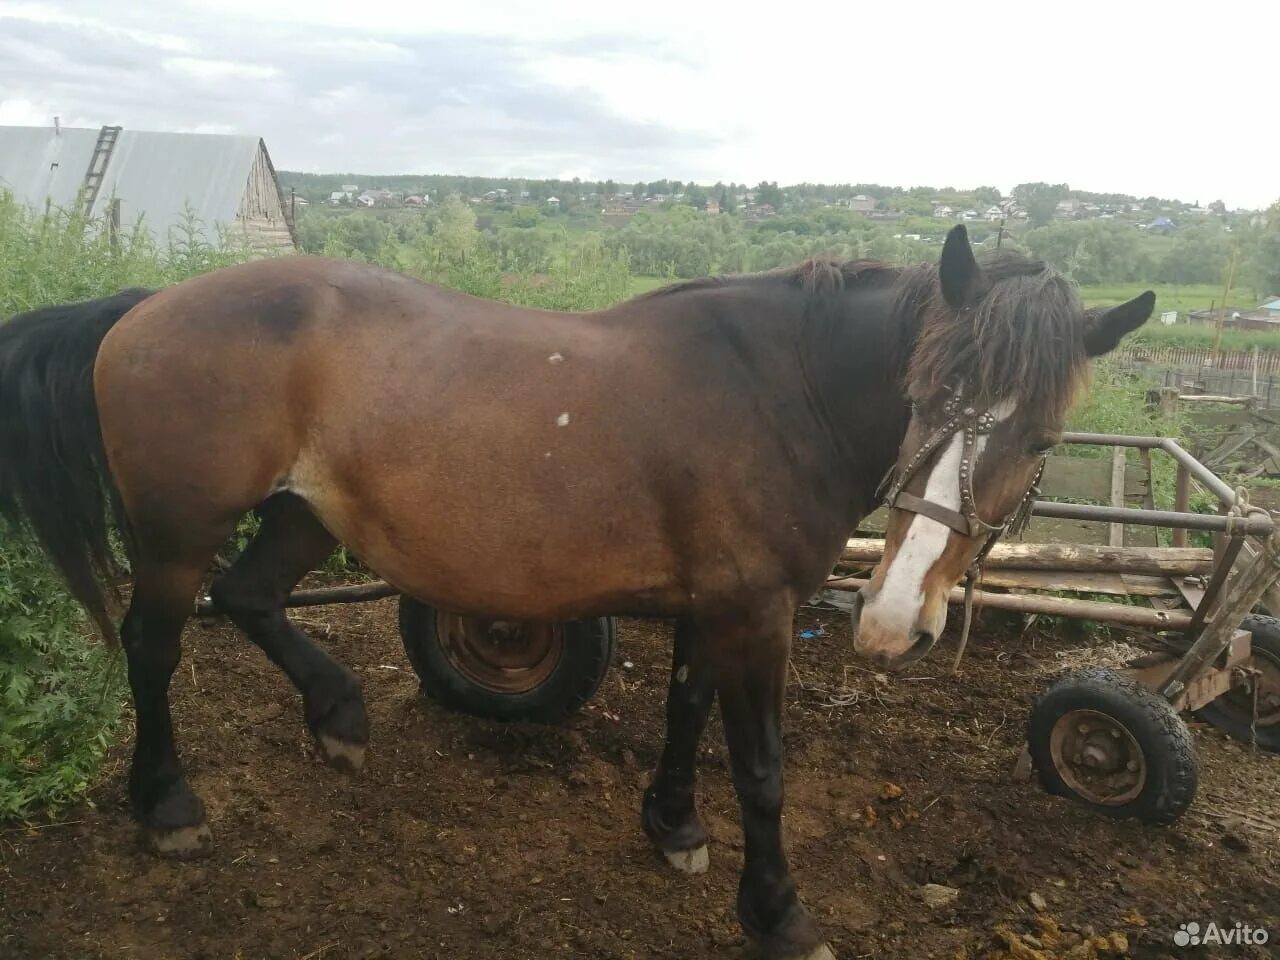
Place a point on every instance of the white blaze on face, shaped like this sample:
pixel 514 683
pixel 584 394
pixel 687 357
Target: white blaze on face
pixel 897 605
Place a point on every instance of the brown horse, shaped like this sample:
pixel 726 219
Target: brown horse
pixel 699 453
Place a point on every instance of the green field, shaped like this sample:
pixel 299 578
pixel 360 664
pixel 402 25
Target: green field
pixel 1183 298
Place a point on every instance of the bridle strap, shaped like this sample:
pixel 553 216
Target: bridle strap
pixel 966 520
pixel 971 575
pixel 954 519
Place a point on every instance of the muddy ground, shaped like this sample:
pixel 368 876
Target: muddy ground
pixel 472 840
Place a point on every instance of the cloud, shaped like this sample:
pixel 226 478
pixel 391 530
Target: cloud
pixel 836 92
pixel 326 99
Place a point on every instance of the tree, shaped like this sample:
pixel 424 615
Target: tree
pixel 1040 200
pixel 609 189
pixel 728 203
pixel 769 193
pixel 637 192
pixel 1266 254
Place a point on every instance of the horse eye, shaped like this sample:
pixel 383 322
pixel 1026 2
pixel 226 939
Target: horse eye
pixel 1042 447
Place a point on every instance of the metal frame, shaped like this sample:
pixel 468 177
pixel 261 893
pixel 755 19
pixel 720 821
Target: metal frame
pixel 1210 661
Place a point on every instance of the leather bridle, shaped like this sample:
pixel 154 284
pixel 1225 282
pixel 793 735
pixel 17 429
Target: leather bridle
pixel 960 418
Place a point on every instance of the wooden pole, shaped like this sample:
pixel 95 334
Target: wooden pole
pixel 1181 504
pixel 357 593
pixel 1097 610
pixel 1226 293
pixel 1086 558
pixel 113 223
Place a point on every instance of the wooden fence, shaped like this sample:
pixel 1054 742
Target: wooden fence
pixel 1267 361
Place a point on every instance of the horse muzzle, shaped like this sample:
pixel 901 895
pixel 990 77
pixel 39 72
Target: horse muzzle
pixel 893 639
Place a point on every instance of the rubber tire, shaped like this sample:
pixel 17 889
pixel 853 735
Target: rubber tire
pixel 1160 733
pixel 589 646
pixel 1266 639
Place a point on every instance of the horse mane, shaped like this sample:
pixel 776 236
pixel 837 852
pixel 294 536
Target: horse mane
pixel 817 277
pixel 1019 340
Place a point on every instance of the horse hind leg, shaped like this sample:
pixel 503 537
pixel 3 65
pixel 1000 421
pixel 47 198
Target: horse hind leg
pixel 172 817
pixel 291 541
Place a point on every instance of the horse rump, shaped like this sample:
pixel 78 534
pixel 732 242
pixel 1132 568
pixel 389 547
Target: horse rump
pixel 54 481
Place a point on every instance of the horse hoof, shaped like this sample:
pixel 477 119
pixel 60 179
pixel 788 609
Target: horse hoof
pixel 179 843
pixel 341 755
pixel 692 862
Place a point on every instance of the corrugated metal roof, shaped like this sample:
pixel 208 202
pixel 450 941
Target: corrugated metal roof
pixel 154 175
pixel 1273 305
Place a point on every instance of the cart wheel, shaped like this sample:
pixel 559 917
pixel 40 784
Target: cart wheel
pixel 1102 738
pixel 504 670
pixel 1233 711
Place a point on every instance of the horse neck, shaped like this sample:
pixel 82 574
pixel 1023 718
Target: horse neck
pixel 854 352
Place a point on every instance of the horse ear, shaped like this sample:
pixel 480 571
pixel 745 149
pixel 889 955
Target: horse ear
pixel 1104 329
pixel 958 272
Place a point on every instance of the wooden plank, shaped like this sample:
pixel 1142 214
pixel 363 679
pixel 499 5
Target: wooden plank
pixel 1115 533
pixel 1110 584
pixel 1220 418
pixel 1087 478
pixel 1170 561
pixel 1097 610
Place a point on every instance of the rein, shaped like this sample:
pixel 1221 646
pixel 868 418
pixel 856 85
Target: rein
pixel 966 520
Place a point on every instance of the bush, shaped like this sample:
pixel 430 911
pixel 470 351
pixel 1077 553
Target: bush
pixel 61 692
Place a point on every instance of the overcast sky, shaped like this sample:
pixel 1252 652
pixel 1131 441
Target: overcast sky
pixel 1174 99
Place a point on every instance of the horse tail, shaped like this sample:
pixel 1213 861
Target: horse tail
pixel 54 481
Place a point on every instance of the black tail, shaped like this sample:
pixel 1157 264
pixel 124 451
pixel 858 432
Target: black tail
pixel 53 472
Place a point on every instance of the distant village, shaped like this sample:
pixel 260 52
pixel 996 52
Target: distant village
pixel 617 207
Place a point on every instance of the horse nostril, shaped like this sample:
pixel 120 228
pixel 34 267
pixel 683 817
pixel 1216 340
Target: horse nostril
pixel 921 643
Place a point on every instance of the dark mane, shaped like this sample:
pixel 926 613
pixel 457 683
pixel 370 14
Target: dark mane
pixel 818 277
pixel 1020 340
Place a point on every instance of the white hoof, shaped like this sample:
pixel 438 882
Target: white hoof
pixel 689 861
pixel 343 755
pixel 822 953
pixel 181 843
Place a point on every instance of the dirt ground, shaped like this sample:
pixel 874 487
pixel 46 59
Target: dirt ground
pixel 472 840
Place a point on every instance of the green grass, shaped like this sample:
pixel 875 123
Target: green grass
pixel 1182 298
pixel 641 285
pixel 61 691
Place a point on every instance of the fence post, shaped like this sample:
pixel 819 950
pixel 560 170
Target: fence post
pixel 1181 501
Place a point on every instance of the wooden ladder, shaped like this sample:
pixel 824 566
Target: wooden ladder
pixel 97 171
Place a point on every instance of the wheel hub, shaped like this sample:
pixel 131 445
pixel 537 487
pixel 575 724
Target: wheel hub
pixel 502 656
pixel 1264 676
pixel 1098 757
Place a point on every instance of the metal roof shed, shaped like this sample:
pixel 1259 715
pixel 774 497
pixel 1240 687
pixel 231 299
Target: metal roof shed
pixel 224 180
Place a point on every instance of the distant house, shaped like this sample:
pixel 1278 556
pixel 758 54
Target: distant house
pixel 1068 209
pixel 553 202
pixel 942 211
pixel 712 207
pixel 969 215
pixel 375 198
pixel 1271 308
pixel 862 203
pixel 1162 225
pixel 994 213
pixel 414 200
pixel 340 196
pixel 226 183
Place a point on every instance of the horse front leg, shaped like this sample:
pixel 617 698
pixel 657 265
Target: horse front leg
pixel 670 817
pixel 749 668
